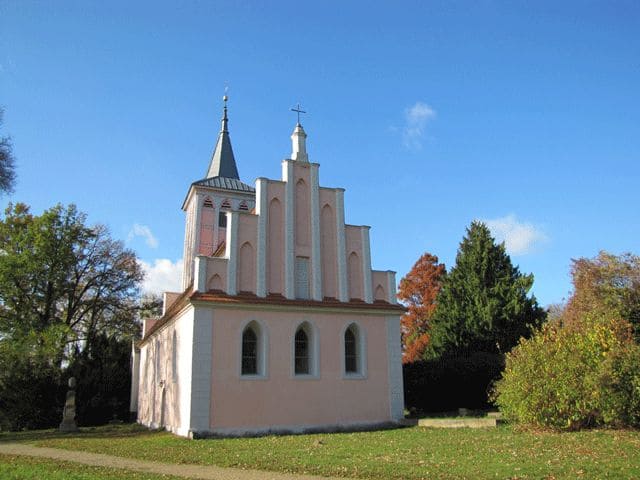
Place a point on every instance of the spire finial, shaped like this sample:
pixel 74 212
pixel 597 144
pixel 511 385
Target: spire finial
pixel 225 120
pixel 298 111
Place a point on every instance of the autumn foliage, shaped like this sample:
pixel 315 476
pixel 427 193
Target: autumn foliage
pixel 418 291
pixel 583 369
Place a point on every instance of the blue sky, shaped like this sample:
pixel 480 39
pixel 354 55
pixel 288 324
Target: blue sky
pixel 430 114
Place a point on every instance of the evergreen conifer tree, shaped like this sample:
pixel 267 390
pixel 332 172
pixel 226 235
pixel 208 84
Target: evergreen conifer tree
pixel 483 305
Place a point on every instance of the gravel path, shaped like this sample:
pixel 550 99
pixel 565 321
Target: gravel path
pixel 207 472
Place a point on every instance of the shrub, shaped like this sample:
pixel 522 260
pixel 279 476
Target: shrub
pixel 447 383
pixel 568 377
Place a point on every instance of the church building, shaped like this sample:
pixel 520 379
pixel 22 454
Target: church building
pixel 282 325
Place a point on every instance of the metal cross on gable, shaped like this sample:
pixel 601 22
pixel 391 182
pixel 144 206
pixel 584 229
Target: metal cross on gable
pixel 298 111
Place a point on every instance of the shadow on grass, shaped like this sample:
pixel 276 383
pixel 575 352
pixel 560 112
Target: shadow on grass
pixel 105 431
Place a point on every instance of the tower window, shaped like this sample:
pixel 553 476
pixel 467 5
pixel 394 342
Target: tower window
pixel 226 204
pixel 243 206
pixel 222 220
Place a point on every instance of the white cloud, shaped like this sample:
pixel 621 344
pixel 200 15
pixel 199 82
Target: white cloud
pixel 416 118
pixel 145 232
pixel 520 238
pixel 163 276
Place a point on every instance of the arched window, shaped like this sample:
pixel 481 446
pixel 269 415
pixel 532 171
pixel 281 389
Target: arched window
pixel 302 350
pixel 243 206
pixel 350 351
pixel 354 351
pixel 249 351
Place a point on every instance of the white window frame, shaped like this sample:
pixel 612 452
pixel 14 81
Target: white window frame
pixel 361 353
pixel 261 332
pixel 314 351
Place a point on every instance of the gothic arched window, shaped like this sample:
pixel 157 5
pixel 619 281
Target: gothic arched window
pixel 302 353
pixel 249 351
pixel 354 355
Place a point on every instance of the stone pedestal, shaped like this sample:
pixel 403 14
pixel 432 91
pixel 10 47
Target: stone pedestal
pixel 69 413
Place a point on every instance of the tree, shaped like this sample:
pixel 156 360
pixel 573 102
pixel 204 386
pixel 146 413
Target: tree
pixel 62 278
pixel 62 284
pixel 483 304
pixel 608 284
pixel 7 163
pixel 418 291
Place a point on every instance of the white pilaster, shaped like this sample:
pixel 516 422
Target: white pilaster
pixel 232 252
pixel 289 240
pixel 201 370
pixel 366 265
pixel 135 378
pixel 316 259
pixel 200 273
pixel 391 287
pixel 343 287
pixel 394 359
pixel 261 253
pixel 187 269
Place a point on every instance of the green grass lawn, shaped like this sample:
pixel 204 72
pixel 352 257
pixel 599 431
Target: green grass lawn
pixel 409 453
pixel 29 468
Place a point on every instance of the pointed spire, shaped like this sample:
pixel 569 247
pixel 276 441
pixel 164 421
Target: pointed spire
pixel 223 163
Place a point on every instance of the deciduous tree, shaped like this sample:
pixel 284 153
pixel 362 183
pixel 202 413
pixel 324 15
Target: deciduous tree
pixel 7 163
pixel 62 285
pixel 607 284
pixel 418 291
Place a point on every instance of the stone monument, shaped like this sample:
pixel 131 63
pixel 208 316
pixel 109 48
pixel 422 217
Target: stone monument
pixel 69 413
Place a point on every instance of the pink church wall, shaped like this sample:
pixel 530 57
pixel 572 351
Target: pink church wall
pixel 207 221
pixel 353 235
pixel 328 251
pixel 302 214
pixel 275 246
pixel 379 284
pixel 247 239
pixel 217 273
pixel 280 399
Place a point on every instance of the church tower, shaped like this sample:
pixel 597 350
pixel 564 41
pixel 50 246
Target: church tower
pixel 209 199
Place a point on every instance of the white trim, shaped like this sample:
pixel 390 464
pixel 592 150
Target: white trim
pixel 289 224
pixel 201 367
pixel 262 211
pixel 343 287
pixel 200 273
pixel 316 259
pixel 391 287
pixel 135 378
pixel 263 350
pixel 366 265
pixel 232 252
pixel 361 352
pixel 314 351
pixel 394 358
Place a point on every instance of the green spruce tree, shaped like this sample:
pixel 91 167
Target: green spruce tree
pixel 483 305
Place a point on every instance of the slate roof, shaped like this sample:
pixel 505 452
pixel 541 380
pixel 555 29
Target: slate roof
pixel 225 183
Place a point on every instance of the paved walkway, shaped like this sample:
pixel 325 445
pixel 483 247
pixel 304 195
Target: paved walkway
pixel 207 472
